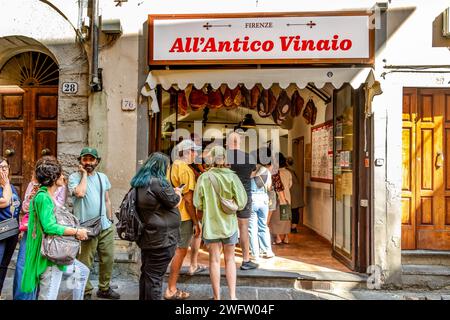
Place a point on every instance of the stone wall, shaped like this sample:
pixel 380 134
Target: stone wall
pixel 53 34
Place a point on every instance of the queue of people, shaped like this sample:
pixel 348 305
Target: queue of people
pixel 216 197
pixel 202 190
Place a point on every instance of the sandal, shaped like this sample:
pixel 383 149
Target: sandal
pixel 199 269
pixel 277 243
pixel 179 295
pixel 285 241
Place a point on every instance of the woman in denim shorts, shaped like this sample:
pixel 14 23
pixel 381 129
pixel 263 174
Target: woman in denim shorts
pixel 220 230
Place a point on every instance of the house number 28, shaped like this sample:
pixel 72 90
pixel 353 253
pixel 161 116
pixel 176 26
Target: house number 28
pixel 70 87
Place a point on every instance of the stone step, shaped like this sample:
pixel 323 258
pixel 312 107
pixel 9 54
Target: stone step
pixel 311 280
pixel 425 257
pixel 129 290
pixel 426 276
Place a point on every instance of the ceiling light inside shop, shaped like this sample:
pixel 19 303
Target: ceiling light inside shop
pixel 248 121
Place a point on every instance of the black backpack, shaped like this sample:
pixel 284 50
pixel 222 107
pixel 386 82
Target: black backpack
pixel 129 227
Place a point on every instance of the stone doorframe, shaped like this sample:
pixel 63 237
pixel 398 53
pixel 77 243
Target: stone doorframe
pixel 72 108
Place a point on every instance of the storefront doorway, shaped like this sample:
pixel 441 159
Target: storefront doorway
pixel 328 235
pixel 351 171
pixel 221 71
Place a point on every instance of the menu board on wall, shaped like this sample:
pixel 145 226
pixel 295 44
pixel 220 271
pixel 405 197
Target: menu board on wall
pixel 322 152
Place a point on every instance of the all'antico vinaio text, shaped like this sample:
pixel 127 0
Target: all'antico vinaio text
pixel 287 43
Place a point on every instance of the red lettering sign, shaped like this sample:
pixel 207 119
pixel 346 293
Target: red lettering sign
pixel 287 43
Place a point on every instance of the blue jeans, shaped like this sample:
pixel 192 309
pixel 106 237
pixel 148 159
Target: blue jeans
pixel 7 247
pixel 20 265
pixel 258 230
pixel 50 281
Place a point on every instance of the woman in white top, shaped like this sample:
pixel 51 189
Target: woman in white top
pixel 280 229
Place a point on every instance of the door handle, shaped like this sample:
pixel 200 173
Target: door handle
pixel 9 152
pixel 439 160
pixel 46 152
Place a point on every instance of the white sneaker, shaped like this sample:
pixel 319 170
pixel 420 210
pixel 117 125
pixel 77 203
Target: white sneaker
pixel 256 259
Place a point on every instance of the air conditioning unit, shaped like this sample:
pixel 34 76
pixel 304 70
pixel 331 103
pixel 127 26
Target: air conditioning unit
pixel 446 23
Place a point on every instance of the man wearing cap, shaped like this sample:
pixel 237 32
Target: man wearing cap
pixel 178 174
pixel 89 190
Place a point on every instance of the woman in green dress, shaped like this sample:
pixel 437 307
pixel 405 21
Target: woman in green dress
pixel 39 271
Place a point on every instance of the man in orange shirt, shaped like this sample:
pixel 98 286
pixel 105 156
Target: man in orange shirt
pixel 178 174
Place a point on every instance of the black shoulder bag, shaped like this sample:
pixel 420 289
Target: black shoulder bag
pixel 9 227
pixel 94 225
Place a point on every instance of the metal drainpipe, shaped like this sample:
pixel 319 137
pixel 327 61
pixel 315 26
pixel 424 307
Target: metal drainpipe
pixel 94 43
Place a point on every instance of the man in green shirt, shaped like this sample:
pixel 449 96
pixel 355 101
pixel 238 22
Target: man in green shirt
pixel 89 190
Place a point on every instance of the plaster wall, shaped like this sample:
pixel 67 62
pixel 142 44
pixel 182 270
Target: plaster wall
pixel 410 38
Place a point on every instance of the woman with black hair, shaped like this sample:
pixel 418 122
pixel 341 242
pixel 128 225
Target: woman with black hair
pixel 39 271
pixel 32 189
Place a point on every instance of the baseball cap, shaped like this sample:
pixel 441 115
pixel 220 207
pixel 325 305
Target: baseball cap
pixel 187 144
pixel 89 151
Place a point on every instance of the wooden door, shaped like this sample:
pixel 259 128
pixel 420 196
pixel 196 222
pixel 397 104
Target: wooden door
pixel 28 126
pixel 426 175
pixel 299 159
pixel 351 178
pixel 344 173
pixel 408 165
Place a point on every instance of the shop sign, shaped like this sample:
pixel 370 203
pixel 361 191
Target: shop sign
pixel 262 39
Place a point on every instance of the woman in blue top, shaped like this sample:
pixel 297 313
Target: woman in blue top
pixel 9 207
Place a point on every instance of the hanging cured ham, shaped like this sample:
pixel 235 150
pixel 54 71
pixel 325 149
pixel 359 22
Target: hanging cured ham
pixel 263 103
pixel 246 99
pixel 267 103
pixel 310 112
pixel 215 99
pixel 197 99
pixel 282 108
pixel 173 99
pixel 227 98
pixel 236 97
pixel 297 104
pixel 182 102
pixel 255 95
